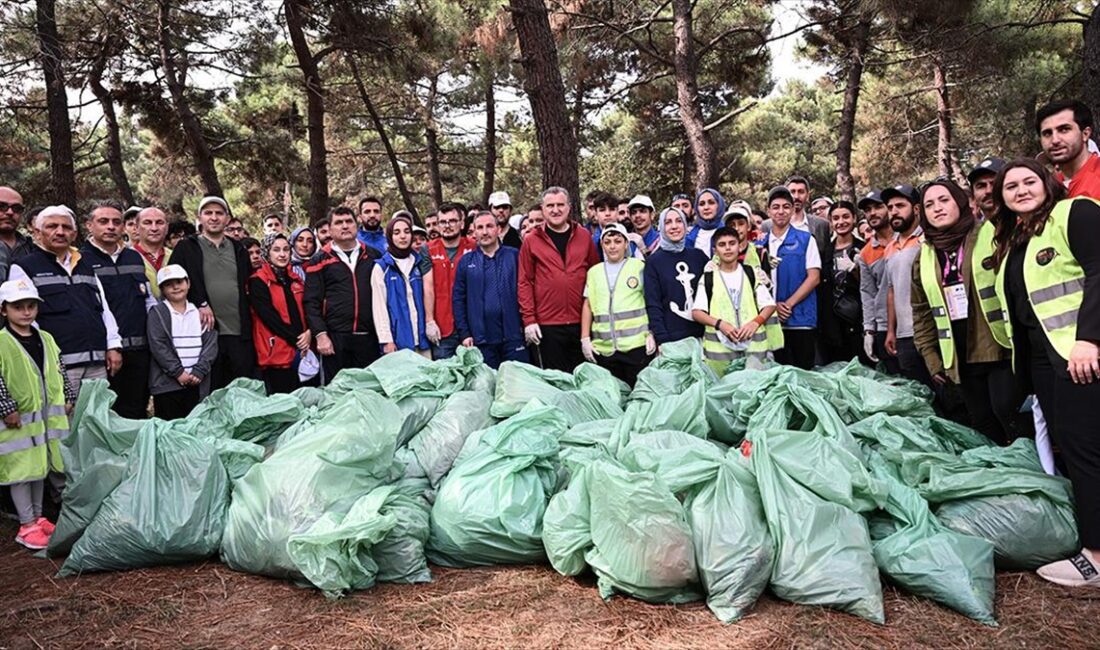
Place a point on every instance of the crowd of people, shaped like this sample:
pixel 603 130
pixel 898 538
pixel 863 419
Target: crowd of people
pixel 986 294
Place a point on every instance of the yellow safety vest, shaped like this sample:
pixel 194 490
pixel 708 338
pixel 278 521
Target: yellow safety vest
pixel 1054 280
pixel 721 306
pixel 29 452
pixel 773 328
pixel 619 321
pixel 984 277
pixel 934 290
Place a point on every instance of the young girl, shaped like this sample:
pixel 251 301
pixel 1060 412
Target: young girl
pixel 402 293
pixel 35 400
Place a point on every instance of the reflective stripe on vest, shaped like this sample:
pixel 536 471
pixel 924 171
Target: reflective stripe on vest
pixel 619 321
pixel 930 282
pixel 32 450
pixel 721 307
pixel 984 278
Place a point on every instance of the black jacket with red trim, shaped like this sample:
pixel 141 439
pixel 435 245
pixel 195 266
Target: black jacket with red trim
pixel 336 300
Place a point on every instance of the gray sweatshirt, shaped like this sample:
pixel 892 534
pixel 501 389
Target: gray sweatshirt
pixel 166 364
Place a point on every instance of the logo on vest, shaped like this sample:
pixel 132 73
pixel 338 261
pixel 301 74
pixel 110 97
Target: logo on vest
pixel 632 282
pixel 987 263
pixel 1045 256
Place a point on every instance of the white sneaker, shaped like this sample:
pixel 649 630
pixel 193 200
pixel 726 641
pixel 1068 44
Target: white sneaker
pixel 1077 571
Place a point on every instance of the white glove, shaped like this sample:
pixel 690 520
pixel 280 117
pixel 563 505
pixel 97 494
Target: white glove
pixel 650 344
pixel 431 330
pixel 587 350
pixel 532 334
pixel 869 346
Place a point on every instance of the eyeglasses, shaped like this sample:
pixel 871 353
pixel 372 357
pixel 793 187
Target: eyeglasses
pixel 17 208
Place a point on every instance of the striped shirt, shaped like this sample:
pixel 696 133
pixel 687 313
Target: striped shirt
pixel 187 335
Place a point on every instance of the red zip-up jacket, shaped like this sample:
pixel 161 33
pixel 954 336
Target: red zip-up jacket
pixel 443 278
pixel 551 291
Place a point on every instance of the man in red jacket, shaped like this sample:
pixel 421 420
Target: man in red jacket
pixel 553 265
pixel 1065 128
pixel 445 252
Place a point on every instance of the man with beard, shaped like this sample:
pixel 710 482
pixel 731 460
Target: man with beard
pixel 903 204
pixel 445 252
pixel 13 244
pixel 323 230
pixel 1064 131
pixel 872 280
pixel 682 202
pixel 500 204
pixel 981 184
pixel 370 224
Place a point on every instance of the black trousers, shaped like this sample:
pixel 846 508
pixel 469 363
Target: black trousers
pixel 993 399
pixel 284 380
pixel 176 404
pixel 889 361
pixel 799 348
pixel 912 363
pixel 131 384
pixel 560 348
pixel 1074 422
pixel 625 365
pixel 350 351
pixel 236 358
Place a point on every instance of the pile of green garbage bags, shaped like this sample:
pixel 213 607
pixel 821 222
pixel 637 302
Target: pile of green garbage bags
pixel 818 486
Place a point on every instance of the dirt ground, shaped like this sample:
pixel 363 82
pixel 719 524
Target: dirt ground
pixel 209 606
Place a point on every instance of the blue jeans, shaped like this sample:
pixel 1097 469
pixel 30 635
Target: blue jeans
pixel 447 346
pixel 497 353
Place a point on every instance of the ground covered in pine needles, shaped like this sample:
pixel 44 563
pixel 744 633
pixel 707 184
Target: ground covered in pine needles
pixel 209 606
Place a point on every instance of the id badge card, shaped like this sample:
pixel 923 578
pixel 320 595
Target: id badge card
pixel 957 305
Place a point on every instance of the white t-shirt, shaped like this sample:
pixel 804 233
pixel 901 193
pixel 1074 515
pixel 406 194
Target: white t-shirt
pixel 612 271
pixel 702 240
pixel 732 282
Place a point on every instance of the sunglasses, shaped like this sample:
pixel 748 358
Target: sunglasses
pixel 17 208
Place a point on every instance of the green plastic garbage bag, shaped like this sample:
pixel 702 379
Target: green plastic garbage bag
pixel 792 407
pixel 94 454
pixel 926 558
pixel 325 469
pixel 928 434
pixel 169 508
pixel 437 445
pixel 519 383
pixel 243 411
pixel 679 367
pixel 823 550
pixel 381 537
pixel 584 406
pixel 405 373
pixel 488 509
pixel 862 392
pixel 1001 495
pixel 416 413
pixel 683 412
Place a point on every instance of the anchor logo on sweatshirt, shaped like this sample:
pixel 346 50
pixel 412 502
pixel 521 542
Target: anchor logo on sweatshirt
pixel 684 277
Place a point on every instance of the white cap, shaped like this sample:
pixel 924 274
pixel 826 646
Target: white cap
pixel 54 211
pixel 497 199
pixel 640 199
pixel 171 272
pixel 16 290
pixel 213 199
pixel 613 228
pixel 739 208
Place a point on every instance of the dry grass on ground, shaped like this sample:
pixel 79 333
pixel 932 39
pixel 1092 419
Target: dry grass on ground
pixel 209 606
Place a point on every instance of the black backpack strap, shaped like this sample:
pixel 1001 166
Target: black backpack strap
pixel 708 285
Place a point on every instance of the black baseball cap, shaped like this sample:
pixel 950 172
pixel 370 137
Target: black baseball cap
pixel 874 196
pixel 904 190
pixel 987 166
pixel 779 191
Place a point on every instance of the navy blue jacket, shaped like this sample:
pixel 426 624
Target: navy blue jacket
pixel 124 283
pixel 469 296
pixel 664 278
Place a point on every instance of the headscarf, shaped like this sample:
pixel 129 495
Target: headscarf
pixel 394 251
pixel 702 223
pixel 949 238
pixel 666 243
pixel 265 252
pixel 295 259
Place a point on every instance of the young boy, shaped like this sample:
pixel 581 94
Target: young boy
pixel 34 419
pixel 614 327
pixel 734 308
pixel 182 351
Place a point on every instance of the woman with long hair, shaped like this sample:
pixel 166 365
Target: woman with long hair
pixel 1047 258
pixel 954 339
pixel 279 330
pixel 842 322
pixel 402 293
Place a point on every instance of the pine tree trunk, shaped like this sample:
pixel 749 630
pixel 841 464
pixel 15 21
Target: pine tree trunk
pixel 380 129
pixel 546 92
pixel 315 111
pixel 176 81
pixel 490 171
pixel 945 148
pixel 687 93
pixel 62 168
pixel 857 49
pixel 431 137
pixel 110 121
pixel 1090 73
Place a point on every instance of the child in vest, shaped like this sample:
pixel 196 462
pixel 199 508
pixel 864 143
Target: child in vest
pixel 34 419
pixel 183 352
pixel 614 327
pixel 734 308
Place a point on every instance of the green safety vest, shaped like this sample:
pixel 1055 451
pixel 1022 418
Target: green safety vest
pixel 930 282
pixel 619 321
pixel 29 452
pixel 1054 280
pixel 721 306
pixel 984 277
pixel 773 328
